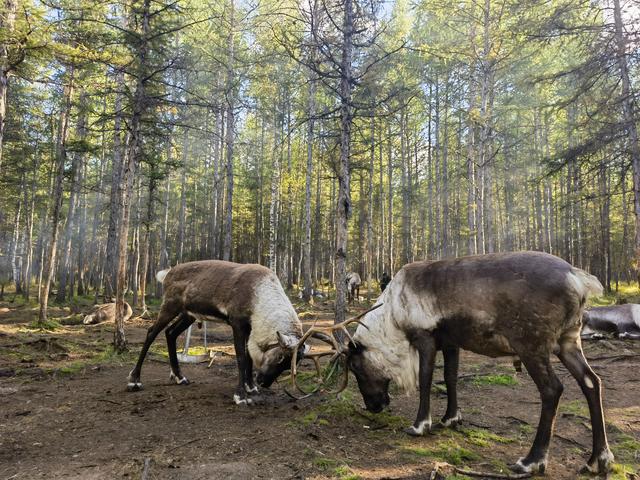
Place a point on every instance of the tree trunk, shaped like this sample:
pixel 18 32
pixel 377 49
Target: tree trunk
pixel 306 253
pixel 29 229
pixel 76 171
pixel 630 122
pixel 343 208
pixel 131 160
pixel 226 249
pixel 60 155
pixel 114 201
pixel 7 22
pixel 275 194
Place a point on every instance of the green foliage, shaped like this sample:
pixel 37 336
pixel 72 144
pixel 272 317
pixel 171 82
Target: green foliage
pixel 445 450
pixel 483 437
pixel 501 379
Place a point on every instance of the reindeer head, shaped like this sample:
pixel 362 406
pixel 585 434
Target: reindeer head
pixel 278 358
pixel 372 382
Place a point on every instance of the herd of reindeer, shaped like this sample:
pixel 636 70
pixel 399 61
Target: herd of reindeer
pixel 527 305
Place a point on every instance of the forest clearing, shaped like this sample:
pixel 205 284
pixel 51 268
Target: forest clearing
pixel 66 414
pixel 440 177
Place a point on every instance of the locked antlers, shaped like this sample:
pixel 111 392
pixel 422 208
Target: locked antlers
pixel 338 350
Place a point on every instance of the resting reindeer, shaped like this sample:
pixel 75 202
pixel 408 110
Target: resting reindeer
pixel 353 286
pixel 527 304
pixel 106 313
pixel 249 298
pixel 621 320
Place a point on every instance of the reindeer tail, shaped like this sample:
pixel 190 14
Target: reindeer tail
pixel 162 274
pixel 588 284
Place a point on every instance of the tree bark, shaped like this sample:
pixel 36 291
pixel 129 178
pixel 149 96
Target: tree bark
pixel 131 160
pixel 226 249
pixel 60 155
pixel 629 116
pixel 114 201
pixel 7 23
pixel 343 208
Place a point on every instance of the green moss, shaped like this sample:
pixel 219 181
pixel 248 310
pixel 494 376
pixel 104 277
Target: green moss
pixel 575 407
pixel 501 379
pixel 343 472
pixel 622 471
pixel 626 449
pixel 49 325
pixel 324 463
pixel 525 428
pixel 483 438
pixel 447 451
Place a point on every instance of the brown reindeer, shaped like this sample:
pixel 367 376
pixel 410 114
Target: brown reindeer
pixel 106 313
pixel 249 298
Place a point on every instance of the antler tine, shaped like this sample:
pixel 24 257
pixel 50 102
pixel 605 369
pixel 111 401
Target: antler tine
pixel 324 334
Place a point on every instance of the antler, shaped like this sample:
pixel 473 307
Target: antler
pixel 325 334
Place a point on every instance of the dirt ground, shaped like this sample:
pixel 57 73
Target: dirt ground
pixel 64 413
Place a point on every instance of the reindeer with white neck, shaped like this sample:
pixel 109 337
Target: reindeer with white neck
pixel 249 298
pixel 528 304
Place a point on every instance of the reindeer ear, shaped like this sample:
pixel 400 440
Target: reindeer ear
pixel 287 342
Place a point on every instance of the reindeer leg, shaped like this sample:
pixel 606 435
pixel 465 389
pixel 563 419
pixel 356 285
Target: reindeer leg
pixel 241 329
pixel 550 388
pixel 452 416
pixel 426 346
pixel 167 313
pixel 249 383
pixel 172 333
pixel 573 359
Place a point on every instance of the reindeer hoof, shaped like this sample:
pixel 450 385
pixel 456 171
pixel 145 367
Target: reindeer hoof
pixel 250 389
pixel 241 400
pixel 452 422
pixel 532 467
pixel 421 429
pixel 134 386
pixel 178 380
pixel 599 465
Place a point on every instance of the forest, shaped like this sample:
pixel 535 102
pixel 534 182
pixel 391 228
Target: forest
pixel 313 137
pixel 317 138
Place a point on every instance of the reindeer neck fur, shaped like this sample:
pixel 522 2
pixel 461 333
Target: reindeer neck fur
pixel 386 344
pixel 272 312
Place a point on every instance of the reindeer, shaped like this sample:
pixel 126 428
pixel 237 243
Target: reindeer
pixel 106 313
pixel 621 320
pixel 528 304
pixel 249 298
pixel 353 286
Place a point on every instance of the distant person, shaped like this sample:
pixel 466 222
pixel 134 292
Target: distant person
pixel 384 281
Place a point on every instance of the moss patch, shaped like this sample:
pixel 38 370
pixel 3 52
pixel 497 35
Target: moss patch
pixel 447 451
pixel 501 379
pixel 482 437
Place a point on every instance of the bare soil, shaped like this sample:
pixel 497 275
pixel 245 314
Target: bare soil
pixel 64 413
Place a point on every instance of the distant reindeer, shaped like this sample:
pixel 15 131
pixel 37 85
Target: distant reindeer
pixel 622 321
pixel 249 298
pixel 353 286
pixel 106 313
pixel 528 304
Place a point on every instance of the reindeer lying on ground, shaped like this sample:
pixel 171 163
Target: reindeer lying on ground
pixel 621 320
pixel 249 298
pixel 353 286
pixel 106 313
pixel 528 304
